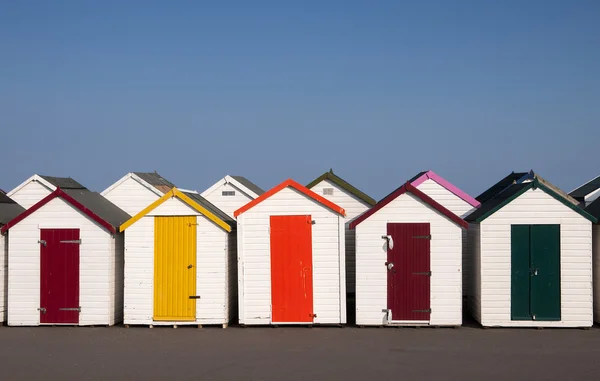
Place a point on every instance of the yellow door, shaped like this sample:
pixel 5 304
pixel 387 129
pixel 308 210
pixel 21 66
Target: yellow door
pixel 175 268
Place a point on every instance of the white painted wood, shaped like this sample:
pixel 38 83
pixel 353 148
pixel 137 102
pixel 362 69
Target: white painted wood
pixel 214 258
pixel 457 206
pixel 353 207
pixel 254 260
pixel 596 271
pixel 96 266
pixel 536 207
pixel 3 276
pixel 31 192
pixel 132 194
pixel 227 204
pixel 445 262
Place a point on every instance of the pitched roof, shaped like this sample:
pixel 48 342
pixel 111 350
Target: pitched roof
pixel 409 188
pixel 585 189
pixel 63 182
pixel 297 186
pixel 344 185
pixel 8 209
pixel 513 191
pixel 500 186
pixel 594 209
pixel 195 201
pixel 430 175
pixel 156 180
pixel 249 184
pixel 92 204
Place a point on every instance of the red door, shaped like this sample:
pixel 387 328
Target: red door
pixel 291 269
pixel 59 276
pixel 409 273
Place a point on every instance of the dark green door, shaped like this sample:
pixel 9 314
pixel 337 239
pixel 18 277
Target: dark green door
pixel 535 278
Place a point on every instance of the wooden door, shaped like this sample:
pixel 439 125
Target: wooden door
pixel 409 272
pixel 175 268
pixel 535 263
pixel 59 276
pixel 291 269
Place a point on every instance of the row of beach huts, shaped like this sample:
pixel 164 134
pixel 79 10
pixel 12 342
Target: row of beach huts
pixel 522 254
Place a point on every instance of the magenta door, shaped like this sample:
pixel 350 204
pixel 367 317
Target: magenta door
pixel 409 272
pixel 59 276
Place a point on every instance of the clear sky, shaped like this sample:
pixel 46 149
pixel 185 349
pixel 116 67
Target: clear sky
pixel 376 90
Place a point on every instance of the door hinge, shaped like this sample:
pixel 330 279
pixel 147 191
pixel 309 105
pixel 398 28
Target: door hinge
pixel 423 273
pixel 78 309
pixel 422 237
pixel 194 296
pixel 426 311
pixel 72 241
pixel 42 242
pixel 42 310
pixel 190 225
pixel 312 315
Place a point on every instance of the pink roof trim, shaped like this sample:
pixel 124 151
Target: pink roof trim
pixel 446 184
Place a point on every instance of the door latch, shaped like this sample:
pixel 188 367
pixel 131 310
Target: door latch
pixel 42 310
pixel 389 265
pixel 42 242
pixel 194 296
pixel 533 272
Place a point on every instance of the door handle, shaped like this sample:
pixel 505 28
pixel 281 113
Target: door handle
pixel 190 266
pixel 389 265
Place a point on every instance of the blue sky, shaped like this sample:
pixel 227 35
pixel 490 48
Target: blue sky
pixel 378 90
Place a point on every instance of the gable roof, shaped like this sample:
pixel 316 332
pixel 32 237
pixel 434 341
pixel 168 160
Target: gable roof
pixel 513 191
pixel 585 189
pixel 344 185
pixel 92 204
pixel 50 182
pixel 249 184
pixel 500 186
pixel 240 182
pixel 409 188
pixel 297 186
pixel 8 209
pixel 195 201
pixel 156 180
pixel 430 175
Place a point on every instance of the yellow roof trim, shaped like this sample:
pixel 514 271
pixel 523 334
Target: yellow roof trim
pixel 180 195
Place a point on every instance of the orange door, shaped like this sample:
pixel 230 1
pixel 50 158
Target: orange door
pixel 291 269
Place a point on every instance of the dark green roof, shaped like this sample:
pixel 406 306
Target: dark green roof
pixel 594 208
pixel 586 189
pixel 507 195
pixel 500 186
pixel 344 185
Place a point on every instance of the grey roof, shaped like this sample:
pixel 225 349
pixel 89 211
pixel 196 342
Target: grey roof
pixel 249 184
pixel 63 182
pixel 587 188
pixel 213 209
pixel 594 208
pixel 99 205
pixel 8 209
pixel 156 181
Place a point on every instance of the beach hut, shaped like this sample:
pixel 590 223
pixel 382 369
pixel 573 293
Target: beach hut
pixel 291 265
pixel 180 263
pixel 136 190
pixel 408 262
pixel 65 258
pixel 37 187
pixel 587 193
pixel 594 209
pixel 8 210
pixel 231 193
pixel 531 250
pixel 452 198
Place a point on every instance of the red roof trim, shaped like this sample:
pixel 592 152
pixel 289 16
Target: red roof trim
pixel 299 188
pixel 59 193
pixel 409 188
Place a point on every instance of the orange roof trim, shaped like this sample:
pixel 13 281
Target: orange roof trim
pixel 300 188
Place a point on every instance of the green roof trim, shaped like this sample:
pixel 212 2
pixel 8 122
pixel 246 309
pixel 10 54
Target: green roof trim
pixel 344 185
pixel 534 185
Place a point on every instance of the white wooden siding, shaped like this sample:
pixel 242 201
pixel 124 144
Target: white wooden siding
pixel 3 276
pixel 94 270
pixel 131 196
pixel 536 207
pixel 457 206
pixel 254 270
pixel 596 272
pixel 211 268
pixel 473 256
pixel 445 262
pixel 228 204
pixel 30 194
pixel 353 207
